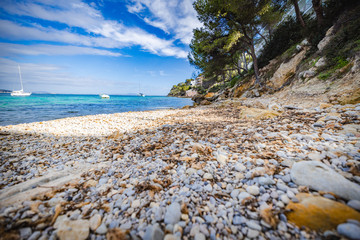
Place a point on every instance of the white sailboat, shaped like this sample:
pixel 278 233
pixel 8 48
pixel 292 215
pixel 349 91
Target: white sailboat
pixel 20 93
pixel 105 96
pixel 140 93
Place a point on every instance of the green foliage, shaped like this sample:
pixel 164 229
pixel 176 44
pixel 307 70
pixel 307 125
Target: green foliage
pixel 340 64
pixel 214 88
pixel 234 80
pixel 346 40
pixel 181 88
pixel 325 75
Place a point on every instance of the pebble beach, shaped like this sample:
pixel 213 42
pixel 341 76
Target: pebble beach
pixel 223 171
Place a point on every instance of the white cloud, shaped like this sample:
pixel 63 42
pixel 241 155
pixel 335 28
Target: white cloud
pixel 172 16
pixel 52 78
pixel 10 49
pixel 75 13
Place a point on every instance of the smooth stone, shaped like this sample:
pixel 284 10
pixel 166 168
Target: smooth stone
pixel 102 229
pixel 349 230
pixel 320 177
pixel 315 156
pixel 266 181
pixel 319 213
pixel 25 232
pixel 35 235
pixel 235 193
pixel 252 233
pixel 170 237
pixel 284 198
pixel 135 203
pixel 153 232
pixel 355 204
pixel 239 167
pixel 243 195
pixel 208 188
pixel 237 220
pixel 208 176
pixel 253 190
pixel 173 213
pixel 199 236
pixel 253 225
pixel 95 221
pixel 222 158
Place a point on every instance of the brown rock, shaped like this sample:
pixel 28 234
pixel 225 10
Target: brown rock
pixel 257 114
pixel 325 105
pixel 116 234
pixel 90 183
pixel 286 70
pixel 205 102
pixel 95 222
pixel 209 95
pixel 319 213
pixel 72 230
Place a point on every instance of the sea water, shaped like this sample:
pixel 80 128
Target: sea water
pixel 43 107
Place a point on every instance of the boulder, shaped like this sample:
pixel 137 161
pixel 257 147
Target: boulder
pixel 190 93
pixel 209 95
pixel 286 70
pixel 321 62
pixel 318 213
pixel 320 177
pixel 307 74
pixel 198 98
pixel 329 35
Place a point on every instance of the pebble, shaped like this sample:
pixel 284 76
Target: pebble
pixel 208 176
pixel 189 179
pixel 173 213
pixel 95 222
pixel 253 225
pixel 252 233
pixel 25 232
pixel 355 204
pixel 253 190
pixel 153 233
pixel 199 236
pixel 349 230
pixel 102 229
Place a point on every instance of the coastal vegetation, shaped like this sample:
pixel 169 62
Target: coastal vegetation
pixel 235 46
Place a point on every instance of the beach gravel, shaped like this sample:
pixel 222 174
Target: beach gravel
pixel 223 171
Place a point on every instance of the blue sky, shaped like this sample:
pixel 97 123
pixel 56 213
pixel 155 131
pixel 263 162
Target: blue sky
pixel 104 46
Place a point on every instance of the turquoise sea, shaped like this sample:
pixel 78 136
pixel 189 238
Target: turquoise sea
pixel 43 107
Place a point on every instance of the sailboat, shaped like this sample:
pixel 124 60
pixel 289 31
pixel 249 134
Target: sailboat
pixel 140 93
pixel 105 96
pixel 20 93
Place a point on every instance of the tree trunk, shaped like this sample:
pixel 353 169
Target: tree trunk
pixel 318 11
pixel 255 63
pixel 245 61
pixel 298 13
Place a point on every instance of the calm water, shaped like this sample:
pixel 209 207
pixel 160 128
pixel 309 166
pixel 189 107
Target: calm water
pixel 42 107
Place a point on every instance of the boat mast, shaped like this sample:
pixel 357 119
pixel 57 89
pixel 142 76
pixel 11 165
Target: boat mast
pixel 22 88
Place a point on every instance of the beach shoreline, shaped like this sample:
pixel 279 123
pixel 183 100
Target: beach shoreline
pixel 210 171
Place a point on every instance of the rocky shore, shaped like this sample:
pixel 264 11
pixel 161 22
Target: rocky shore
pixel 223 171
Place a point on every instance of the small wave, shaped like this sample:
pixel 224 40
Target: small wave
pixel 72 111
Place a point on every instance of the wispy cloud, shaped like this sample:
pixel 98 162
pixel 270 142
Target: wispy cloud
pixel 172 16
pixel 11 49
pixel 46 77
pixel 100 32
